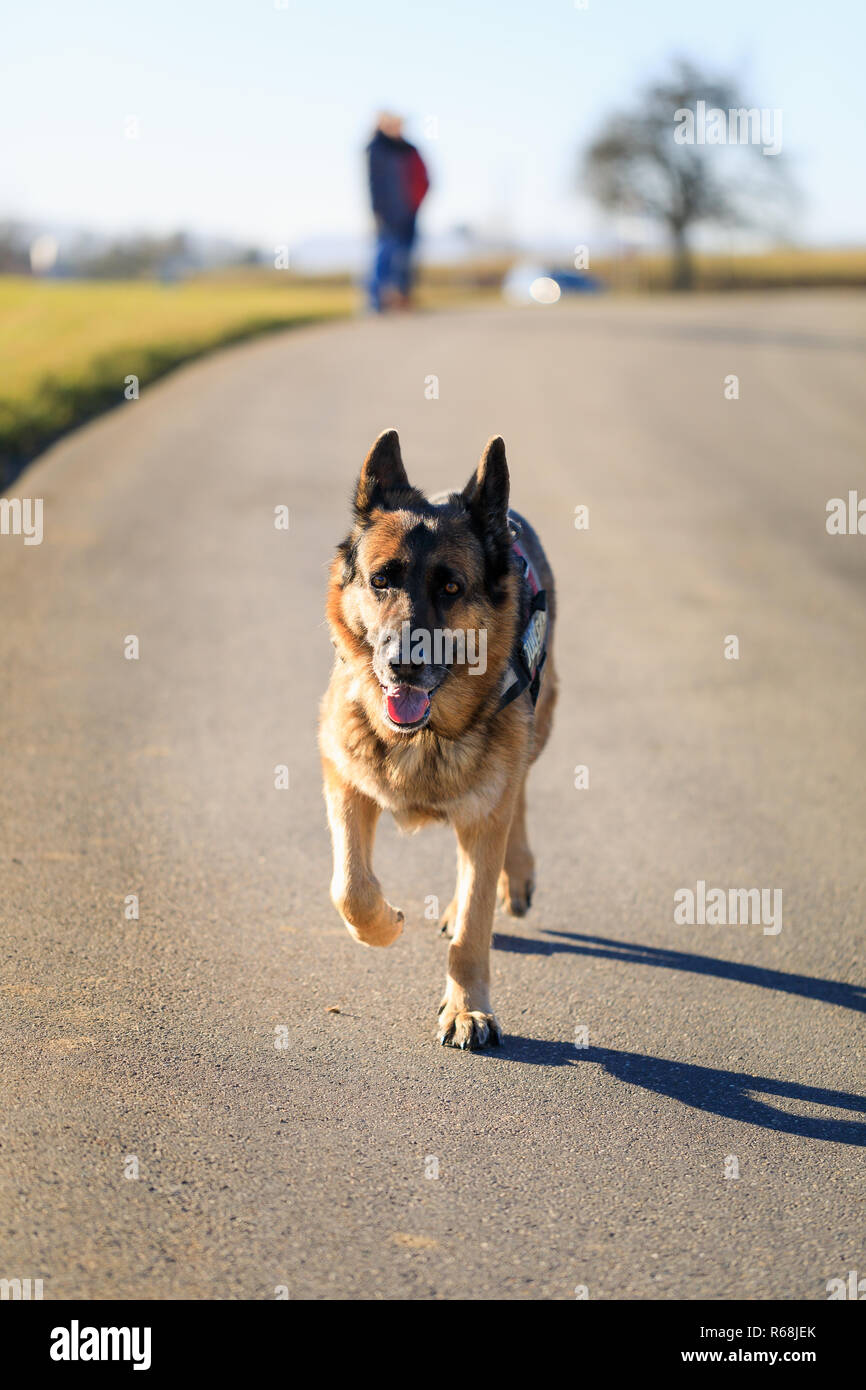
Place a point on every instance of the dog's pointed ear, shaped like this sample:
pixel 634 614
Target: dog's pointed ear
pixel 382 472
pixel 485 497
pixel 486 493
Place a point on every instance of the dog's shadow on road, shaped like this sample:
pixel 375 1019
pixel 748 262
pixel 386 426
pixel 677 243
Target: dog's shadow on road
pixel 574 943
pixel 732 1095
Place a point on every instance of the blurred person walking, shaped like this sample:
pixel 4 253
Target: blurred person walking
pixel 398 185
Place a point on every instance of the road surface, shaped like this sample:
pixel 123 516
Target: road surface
pixel 183 1116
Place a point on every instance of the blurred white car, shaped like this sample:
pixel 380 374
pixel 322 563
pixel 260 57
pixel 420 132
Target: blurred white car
pixel 526 283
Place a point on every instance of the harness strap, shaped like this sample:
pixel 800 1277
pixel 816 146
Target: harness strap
pixel 530 652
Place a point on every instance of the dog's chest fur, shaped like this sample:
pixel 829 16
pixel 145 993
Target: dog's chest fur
pixel 422 778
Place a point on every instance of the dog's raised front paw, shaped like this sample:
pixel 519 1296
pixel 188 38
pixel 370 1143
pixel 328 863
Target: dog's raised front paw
pixel 372 924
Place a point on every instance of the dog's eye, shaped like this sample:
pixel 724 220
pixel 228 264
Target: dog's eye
pixel 379 581
pixel 451 588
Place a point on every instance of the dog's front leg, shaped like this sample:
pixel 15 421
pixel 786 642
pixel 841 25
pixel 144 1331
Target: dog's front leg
pixel 465 1016
pixel 355 890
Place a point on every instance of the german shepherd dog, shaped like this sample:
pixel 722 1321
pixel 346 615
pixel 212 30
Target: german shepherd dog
pixel 426 737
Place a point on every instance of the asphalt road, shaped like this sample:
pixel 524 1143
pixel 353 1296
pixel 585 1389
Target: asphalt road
pixel 308 1166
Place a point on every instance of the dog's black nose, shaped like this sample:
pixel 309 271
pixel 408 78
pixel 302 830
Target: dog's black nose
pixel 406 672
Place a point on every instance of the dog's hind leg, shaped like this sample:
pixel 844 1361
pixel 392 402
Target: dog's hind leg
pixel 517 879
pixel 448 920
pixel 355 890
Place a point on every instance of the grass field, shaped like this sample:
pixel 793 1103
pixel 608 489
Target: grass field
pixel 782 268
pixel 68 346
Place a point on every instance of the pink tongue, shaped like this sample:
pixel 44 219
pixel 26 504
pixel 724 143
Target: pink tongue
pixel 406 705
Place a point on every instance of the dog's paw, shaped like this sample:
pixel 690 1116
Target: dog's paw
pixel 466 1028
pixel 515 891
pixel 379 926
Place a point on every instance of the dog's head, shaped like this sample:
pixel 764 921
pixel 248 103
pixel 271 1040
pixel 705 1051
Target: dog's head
pixel 423 595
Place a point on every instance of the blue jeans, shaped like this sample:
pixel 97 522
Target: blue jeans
pixel 392 265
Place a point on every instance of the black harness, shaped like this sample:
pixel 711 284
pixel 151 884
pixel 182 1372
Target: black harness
pixel 530 650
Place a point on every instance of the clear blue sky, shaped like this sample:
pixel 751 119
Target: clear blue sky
pixel 253 117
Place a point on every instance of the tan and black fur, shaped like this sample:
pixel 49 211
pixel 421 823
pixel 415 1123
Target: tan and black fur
pixel 468 764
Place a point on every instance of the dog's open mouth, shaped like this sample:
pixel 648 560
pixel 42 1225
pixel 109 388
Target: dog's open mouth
pixel 406 706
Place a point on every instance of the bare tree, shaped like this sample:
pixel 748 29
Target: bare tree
pixel 674 160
